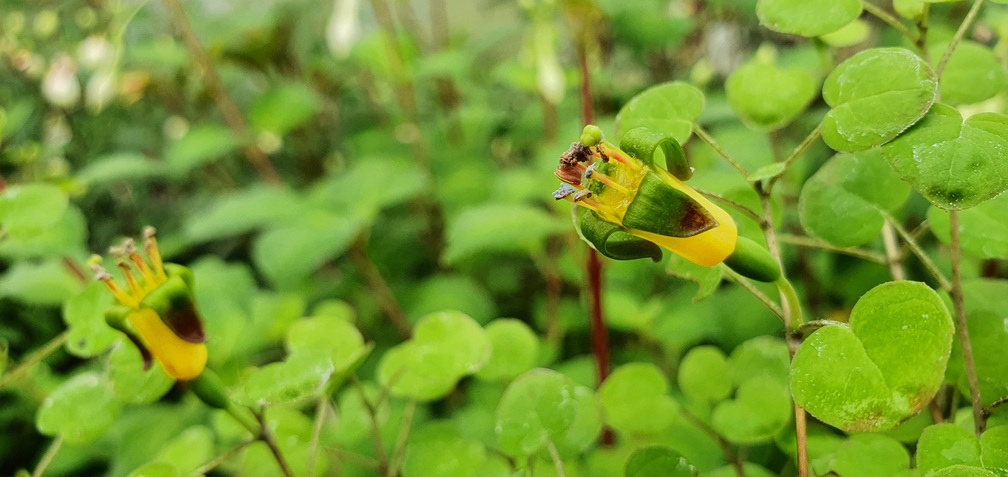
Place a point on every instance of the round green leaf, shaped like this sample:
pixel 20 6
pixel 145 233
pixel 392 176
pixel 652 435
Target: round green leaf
pixel 130 381
pixel 233 214
pixel 954 164
pixel 121 166
pixel 670 108
pixel 370 185
pixel 944 445
pixel 766 97
pixel 986 306
pixel 449 292
pixel 870 455
pixel 875 95
pixel 535 406
pixel 973 74
pixel 68 237
pixel 994 449
pixel 807 17
pixel 983 232
pixel 301 376
pixel 849 35
pixel 190 449
pixel 761 408
pixel 331 334
pixel 48 283
pixel 31 206
pixel 514 350
pixel 584 428
pixel 499 228
pixel 288 255
pixel 84 315
pixel 751 470
pixel 760 356
pixel 844 201
pixel 658 461
pixel 438 450
pixel 79 410
pixel 869 376
pixel 635 399
pixel 702 375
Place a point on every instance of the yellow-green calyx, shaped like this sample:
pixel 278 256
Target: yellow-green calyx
pixel 634 205
pixel 156 309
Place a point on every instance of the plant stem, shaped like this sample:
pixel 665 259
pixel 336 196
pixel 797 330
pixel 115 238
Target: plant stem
pixel 48 457
pixel 798 152
pixel 726 448
pixel 37 356
pixel 749 287
pixel 400 446
pixel 702 134
pixel 380 289
pixel 965 25
pixel 922 27
pixel 822 245
pixel 555 457
pixel 979 418
pixel 801 433
pixel 919 252
pixel 266 436
pixel 217 461
pixel 893 259
pixel 890 20
pixel 375 431
pixel 731 203
pixel 792 306
pixel 229 110
pixel 321 412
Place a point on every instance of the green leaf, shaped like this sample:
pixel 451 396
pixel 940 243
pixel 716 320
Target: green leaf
pixel 201 145
pixel 702 373
pixel 79 410
pixel 843 203
pixel 767 97
pixel 288 255
pixel 983 231
pixel 850 34
pixel 954 164
pixel 760 410
pixel 131 383
pixel 449 292
pixel 870 455
pixel 963 471
pixel 68 237
pixel 437 449
pixel 84 314
pixel 121 166
pixel 658 461
pixel 586 426
pixel 868 376
pixel 807 17
pixel 973 74
pixel 31 207
pixel 875 95
pixel 635 399
pixel 190 449
pixel 330 334
pixel 670 108
pixel 237 213
pixel 156 469
pixel 499 228
pixel 760 356
pixel 283 108
pixel 47 283
pixel 707 278
pixel 370 185
pixel 944 445
pixel 994 449
pixel 301 376
pixel 986 305
pixel 536 406
pixel 514 350
pixel 445 347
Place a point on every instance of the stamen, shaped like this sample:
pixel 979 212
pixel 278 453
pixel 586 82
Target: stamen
pixel 564 191
pixel 582 194
pixel 593 174
pixel 568 173
pixel 150 246
pixel 137 260
pixel 134 289
pixel 104 276
pixel 606 151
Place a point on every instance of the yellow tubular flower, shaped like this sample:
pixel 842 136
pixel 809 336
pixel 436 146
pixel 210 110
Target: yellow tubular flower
pixel 156 309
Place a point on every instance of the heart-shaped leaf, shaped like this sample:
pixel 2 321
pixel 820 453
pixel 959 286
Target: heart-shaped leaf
pixel 843 202
pixel 807 17
pixel 658 461
pixel 973 73
pixel 944 445
pixel 982 229
pixel 882 368
pixel 954 164
pixel 635 398
pixel 535 407
pixel 766 97
pixel 669 108
pixel 875 95
pixel 760 410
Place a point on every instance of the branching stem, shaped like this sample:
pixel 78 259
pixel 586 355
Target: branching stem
pixel 705 137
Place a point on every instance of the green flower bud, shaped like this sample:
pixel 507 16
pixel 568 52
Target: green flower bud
pixel 753 261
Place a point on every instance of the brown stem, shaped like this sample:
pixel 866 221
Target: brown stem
pixel 380 288
pixel 893 256
pixel 979 417
pixel 266 436
pixel 922 28
pixel 375 429
pixel 229 110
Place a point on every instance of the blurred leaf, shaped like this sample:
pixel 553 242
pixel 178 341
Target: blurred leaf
pixel 807 18
pixel 288 255
pixel 760 410
pixel 758 357
pixel 844 202
pixel 536 406
pixel 669 108
pixel 239 212
pixel 370 185
pixel 954 164
pixel 867 376
pixel 963 471
pixel 635 399
pixel 67 237
pixel 156 469
pixel 707 278
pixel 875 95
pixel 31 207
pixel 121 166
pixel 973 74
pixel 983 231
pixel 850 34
pixel 702 374
pixel 301 376
pixel 994 448
pixel 869 455
pixel 944 445
pixel 203 144
pixel 657 461
pixel 514 350
pixel 449 292
pixel 46 283
pixel 283 108
pixel 767 97
pixel 131 383
pixel 190 449
pixel 331 334
pixel 84 314
pixel 499 228
pixel 79 410
pixel 436 449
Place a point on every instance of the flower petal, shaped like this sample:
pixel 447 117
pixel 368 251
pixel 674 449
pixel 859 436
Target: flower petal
pixel 181 359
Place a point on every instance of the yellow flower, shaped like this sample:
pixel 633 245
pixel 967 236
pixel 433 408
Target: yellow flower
pixel 629 194
pixel 156 309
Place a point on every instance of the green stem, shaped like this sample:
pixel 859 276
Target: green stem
pixel 217 461
pixel 267 437
pixel 979 418
pixel 890 20
pixel 705 137
pixel 244 417
pixel 42 353
pixel 798 152
pixel 749 287
pixel 400 446
pixel 555 457
pixel 726 448
pixel 919 252
pixel 313 446
pixel 822 245
pixel 965 25
pixel 792 306
pixel 48 457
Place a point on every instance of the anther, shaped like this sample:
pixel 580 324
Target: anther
pixel 568 173
pixel 582 194
pixel 564 191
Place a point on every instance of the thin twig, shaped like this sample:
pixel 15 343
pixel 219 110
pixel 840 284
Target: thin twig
pixel 726 448
pixel 798 151
pixel 266 436
pixel 217 461
pixel 822 245
pixel 890 20
pixel 733 204
pixel 379 288
pixel 979 418
pixel 375 426
pixel 893 259
pixel 919 252
pixel 749 287
pixel 48 457
pixel 555 457
pixel 922 37
pixel 400 445
pixel 705 137
pixel 321 412
pixel 40 354
pixel 965 25
pixel 229 110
